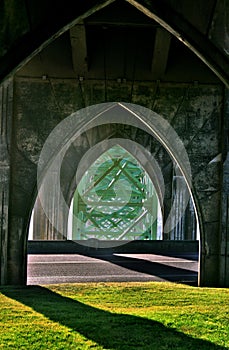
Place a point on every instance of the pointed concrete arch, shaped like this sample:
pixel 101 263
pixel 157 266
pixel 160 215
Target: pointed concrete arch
pixel 73 168
pixel 33 40
pixel 70 129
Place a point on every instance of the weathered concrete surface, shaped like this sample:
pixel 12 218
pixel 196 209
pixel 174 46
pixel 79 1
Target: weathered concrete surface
pixel 219 28
pixel 195 112
pixel 6 102
pixel 224 237
pixel 198 113
pixel 203 28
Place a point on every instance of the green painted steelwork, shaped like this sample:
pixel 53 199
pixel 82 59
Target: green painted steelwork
pixel 115 200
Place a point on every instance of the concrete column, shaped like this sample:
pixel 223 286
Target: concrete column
pixel 50 220
pixel 210 238
pixel 214 258
pixel 177 232
pixel 40 222
pixel 209 256
pixel 183 221
pixel 190 231
pixel 168 200
pixel 6 97
pixel 42 227
pixel 224 257
pixel 17 250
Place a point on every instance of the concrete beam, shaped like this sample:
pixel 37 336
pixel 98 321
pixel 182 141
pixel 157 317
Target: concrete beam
pixel 197 42
pixel 160 52
pixel 79 49
pixel 48 27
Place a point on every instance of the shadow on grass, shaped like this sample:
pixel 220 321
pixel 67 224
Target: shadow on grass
pixel 112 331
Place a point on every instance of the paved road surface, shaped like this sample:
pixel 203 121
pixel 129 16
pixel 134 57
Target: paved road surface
pixel 69 268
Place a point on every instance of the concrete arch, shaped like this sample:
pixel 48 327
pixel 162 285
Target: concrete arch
pixel 59 142
pixel 33 39
pixel 75 164
pixel 136 149
pixel 69 129
pixel 73 167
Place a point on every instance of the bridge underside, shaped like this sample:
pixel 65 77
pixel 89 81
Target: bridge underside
pixel 169 64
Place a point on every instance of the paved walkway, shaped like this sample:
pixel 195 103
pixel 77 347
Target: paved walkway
pixel 69 268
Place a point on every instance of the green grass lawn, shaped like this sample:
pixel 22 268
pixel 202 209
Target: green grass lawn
pixel 114 316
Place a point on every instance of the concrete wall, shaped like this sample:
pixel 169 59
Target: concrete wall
pixel 105 247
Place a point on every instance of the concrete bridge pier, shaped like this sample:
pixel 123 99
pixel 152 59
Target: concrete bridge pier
pixel 6 114
pixel 224 236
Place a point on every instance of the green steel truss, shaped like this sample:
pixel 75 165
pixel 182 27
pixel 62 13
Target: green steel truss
pixel 115 200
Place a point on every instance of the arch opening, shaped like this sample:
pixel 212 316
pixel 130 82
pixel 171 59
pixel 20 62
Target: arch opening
pixel 111 199
pixel 183 204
